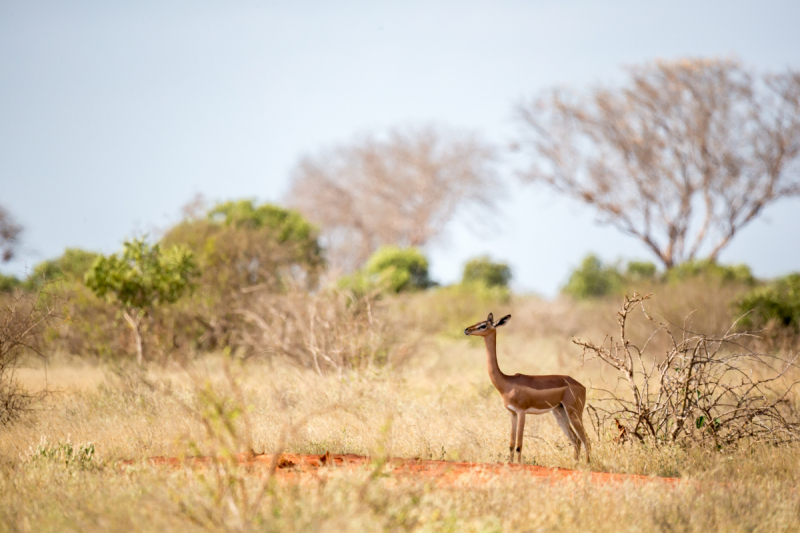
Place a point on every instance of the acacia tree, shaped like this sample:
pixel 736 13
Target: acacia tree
pixel 682 156
pixel 140 278
pixel 401 190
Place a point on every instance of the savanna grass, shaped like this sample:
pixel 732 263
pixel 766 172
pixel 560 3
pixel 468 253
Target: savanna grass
pixel 439 405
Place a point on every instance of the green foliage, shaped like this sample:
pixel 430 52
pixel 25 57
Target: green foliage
pixel 241 244
pixel 593 279
pixel 243 250
pixel 289 225
pixel 92 326
pixel 777 304
pixel 404 269
pixel 143 275
pixel 712 271
pixel 9 283
pixel 71 266
pixel 360 284
pixel 641 271
pixel 141 278
pixel 71 456
pixel 485 271
pixel 240 251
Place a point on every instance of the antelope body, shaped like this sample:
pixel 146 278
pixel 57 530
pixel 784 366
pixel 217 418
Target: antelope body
pixel 563 396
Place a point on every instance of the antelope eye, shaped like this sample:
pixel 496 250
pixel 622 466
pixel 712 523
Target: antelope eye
pixel 482 326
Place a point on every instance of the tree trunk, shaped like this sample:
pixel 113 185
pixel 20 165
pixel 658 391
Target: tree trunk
pixel 134 324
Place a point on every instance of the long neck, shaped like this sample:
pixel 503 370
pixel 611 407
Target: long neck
pixel 497 377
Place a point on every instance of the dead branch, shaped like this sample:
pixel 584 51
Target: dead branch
pixel 706 389
pixel 682 157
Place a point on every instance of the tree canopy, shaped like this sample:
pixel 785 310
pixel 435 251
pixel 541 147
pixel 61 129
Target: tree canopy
pixel 484 270
pixel 405 268
pixel 241 244
pixel 73 264
pixel 141 277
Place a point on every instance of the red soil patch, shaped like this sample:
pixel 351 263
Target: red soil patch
pixel 293 465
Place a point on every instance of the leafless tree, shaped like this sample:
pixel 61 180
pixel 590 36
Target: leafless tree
pixel 401 190
pixel 9 235
pixel 682 157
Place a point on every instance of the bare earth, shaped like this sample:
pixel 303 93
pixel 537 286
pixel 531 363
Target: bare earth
pixel 291 466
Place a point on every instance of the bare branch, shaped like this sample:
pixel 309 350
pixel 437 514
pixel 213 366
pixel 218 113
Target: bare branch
pixel 682 158
pixel 705 389
pixel 402 190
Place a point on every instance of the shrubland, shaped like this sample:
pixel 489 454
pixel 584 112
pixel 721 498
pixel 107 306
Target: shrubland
pixel 267 352
pixel 79 462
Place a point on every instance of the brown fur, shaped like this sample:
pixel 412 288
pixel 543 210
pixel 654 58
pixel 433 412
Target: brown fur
pixel 564 396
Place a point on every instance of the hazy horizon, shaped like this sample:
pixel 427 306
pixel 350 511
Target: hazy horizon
pixel 114 116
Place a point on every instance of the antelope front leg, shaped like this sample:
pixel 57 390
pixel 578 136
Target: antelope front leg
pixel 513 437
pixel 520 430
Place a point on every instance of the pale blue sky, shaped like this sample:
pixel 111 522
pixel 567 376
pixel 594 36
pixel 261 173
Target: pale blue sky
pixel 112 116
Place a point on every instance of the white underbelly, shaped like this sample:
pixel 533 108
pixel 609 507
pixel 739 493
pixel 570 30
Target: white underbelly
pixel 530 410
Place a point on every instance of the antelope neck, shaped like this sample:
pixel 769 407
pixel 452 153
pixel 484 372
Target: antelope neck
pixel 495 374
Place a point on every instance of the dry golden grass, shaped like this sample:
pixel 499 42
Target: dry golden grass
pixel 440 405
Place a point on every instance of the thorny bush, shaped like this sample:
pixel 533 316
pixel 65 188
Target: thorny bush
pixel 705 390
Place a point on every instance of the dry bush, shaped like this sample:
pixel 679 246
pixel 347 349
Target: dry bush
pixel 325 330
pixel 22 322
pixel 706 389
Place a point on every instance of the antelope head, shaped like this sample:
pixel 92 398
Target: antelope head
pixel 481 329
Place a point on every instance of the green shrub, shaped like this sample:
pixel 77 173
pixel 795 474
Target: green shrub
pixel 400 269
pixel 445 310
pixel 9 283
pixel 243 249
pixel 777 304
pixel 593 279
pixel 73 264
pixel 640 271
pixel 485 271
pixel 240 245
pixel 141 278
pixel 287 225
pixel 79 456
pixel 712 271
pixel 143 275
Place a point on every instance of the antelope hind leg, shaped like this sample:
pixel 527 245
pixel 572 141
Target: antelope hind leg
pixel 560 414
pixel 577 424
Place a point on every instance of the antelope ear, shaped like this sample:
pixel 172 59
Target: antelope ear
pixel 502 321
pixel 490 318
